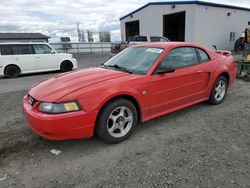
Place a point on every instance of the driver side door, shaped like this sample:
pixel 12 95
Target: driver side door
pixel 172 91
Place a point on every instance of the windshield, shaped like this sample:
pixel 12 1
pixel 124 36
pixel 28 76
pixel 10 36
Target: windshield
pixel 136 60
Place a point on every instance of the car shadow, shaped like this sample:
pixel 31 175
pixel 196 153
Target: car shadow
pixel 31 74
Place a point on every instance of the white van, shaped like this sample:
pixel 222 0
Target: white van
pixel 21 58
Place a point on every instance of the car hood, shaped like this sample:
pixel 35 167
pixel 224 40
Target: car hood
pixel 51 90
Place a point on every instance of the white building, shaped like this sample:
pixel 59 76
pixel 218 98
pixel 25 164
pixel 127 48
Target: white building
pixel 199 22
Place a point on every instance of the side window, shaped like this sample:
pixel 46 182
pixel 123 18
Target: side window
pixel 141 39
pixel 5 50
pixel 22 49
pixel 202 55
pixel 180 57
pixel 42 49
pixel 155 39
pixel 163 39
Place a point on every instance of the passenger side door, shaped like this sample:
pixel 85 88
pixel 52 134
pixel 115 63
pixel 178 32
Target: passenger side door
pixel 46 58
pixel 184 86
pixel 23 56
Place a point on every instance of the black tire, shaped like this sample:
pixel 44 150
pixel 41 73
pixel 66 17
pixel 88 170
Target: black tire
pixel 103 121
pixel 246 78
pixel 12 71
pixel 213 100
pixel 66 66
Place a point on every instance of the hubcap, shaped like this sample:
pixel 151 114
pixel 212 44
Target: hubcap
pixel 120 122
pixel 220 90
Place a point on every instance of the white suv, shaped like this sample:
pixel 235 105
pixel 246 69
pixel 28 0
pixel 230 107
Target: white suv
pixel 20 58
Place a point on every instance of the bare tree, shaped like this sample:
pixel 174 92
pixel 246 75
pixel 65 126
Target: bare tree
pixel 82 36
pixel 78 31
pixel 90 36
pixel 104 37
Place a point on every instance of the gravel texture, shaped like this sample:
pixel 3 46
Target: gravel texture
pixel 200 146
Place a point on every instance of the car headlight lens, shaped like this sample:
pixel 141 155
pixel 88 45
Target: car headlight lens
pixel 56 108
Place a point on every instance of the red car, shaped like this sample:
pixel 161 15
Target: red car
pixel 140 83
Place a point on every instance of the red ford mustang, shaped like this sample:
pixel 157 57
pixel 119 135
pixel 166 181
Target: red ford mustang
pixel 138 84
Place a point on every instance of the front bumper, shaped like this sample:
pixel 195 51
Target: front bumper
pixel 73 125
pixel 1 70
pixel 74 61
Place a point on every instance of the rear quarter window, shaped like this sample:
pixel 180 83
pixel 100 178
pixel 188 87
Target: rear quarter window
pixel 5 50
pixel 203 56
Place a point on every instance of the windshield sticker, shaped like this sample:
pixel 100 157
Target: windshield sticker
pixel 155 50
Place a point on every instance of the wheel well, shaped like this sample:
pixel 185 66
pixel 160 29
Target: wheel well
pixel 12 65
pixel 128 97
pixel 66 61
pixel 226 75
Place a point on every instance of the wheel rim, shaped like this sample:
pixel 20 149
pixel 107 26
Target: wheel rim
pixel 67 67
pixel 120 122
pixel 220 90
pixel 13 72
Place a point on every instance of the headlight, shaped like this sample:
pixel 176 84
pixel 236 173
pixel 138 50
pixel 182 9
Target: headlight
pixel 57 108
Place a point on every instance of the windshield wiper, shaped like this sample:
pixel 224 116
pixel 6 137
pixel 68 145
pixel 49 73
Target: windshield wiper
pixel 118 68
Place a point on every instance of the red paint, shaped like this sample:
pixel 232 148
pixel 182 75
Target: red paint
pixel 93 87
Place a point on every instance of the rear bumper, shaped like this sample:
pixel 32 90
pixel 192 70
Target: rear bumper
pixel 233 75
pixel 65 126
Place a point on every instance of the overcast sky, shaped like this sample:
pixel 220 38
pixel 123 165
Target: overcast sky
pixel 57 18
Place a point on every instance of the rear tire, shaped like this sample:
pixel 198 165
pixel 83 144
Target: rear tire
pixel 219 91
pixel 116 121
pixel 246 78
pixel 66 66
pixel 12 71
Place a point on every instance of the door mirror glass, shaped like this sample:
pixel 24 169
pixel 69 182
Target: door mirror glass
pixel 165 69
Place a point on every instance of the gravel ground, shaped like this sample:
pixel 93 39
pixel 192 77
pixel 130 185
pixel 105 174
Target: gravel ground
pixel 200 146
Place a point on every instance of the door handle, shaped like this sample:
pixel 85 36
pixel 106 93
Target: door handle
pixel 16 58
pixel 38 57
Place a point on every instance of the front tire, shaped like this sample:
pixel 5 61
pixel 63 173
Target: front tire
pixel 116 121
pixel 219 91
pixel 66 66
pixel 12 71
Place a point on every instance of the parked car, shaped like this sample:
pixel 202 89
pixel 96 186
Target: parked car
pixel 140 83
pixel 117 47
pixel 22 58
pixel 142 39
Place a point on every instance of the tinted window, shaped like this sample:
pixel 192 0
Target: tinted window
pixel 42 49
pixel 181 57
pixel 158 39
pixel 5 50
pixel 141 38
pixel 202 55
pixel 22 49
pixel 155 39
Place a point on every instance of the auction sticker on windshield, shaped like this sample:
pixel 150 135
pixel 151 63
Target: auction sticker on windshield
pixel 155 50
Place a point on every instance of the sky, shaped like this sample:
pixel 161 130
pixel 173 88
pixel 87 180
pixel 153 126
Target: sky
pixel 58 18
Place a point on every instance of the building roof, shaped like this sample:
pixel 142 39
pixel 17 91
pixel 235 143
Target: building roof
pixel 187 2
pixel 23 36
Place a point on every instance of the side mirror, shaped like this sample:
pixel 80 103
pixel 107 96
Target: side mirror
pixel 165 69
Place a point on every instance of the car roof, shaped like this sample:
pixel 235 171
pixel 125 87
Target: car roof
pixel 6 43
pixel 167 44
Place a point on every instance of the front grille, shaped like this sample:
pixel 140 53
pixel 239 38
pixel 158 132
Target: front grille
pixel 32 101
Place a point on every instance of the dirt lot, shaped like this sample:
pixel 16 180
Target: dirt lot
pixel 200 146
